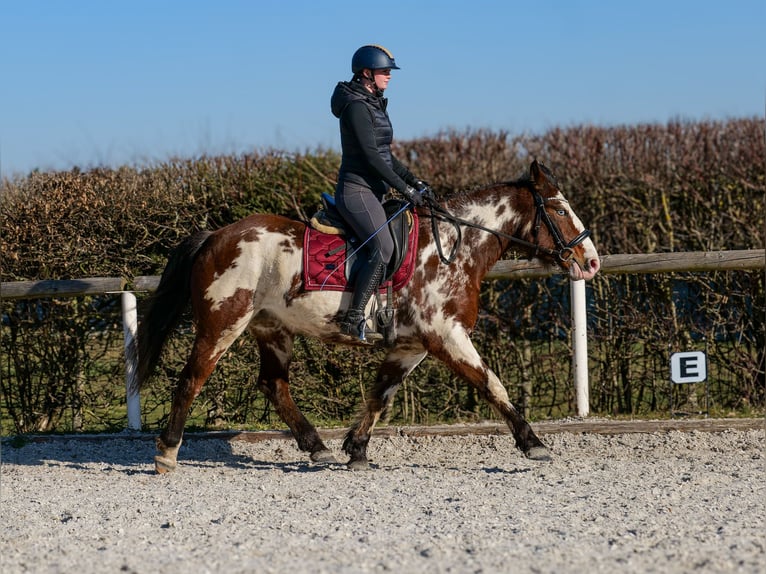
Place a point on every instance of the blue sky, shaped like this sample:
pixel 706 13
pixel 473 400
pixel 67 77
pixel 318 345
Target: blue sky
pixel 133 82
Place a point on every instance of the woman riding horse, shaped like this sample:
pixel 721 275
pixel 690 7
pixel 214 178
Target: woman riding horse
pixel 367 170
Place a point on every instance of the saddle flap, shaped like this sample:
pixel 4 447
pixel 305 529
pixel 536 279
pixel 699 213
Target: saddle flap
pixel 400 228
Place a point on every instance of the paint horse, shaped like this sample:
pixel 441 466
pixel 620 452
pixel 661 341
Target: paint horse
pixel 248 276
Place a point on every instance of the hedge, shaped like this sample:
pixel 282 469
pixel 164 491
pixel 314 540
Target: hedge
pixel 683 186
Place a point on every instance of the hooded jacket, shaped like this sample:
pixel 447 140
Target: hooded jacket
pixel 365 136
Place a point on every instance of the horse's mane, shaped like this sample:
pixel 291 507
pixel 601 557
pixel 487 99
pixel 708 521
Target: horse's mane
pixel 523 181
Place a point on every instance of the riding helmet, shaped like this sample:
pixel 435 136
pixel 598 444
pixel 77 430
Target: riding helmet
pixel 372 57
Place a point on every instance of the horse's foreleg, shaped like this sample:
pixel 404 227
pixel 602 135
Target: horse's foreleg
pixel 526 439
pixel 275 348
pixel 463 359
pixel 398 364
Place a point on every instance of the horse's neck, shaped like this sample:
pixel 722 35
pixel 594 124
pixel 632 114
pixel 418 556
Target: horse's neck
pixel 493 211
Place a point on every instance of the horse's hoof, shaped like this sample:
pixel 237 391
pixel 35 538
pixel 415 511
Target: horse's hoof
pixel 163 464
pixel 363 464
pixel 166 460
pixel 324 456
pixel 539 453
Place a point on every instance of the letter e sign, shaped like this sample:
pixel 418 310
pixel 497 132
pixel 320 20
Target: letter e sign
pixel 688 367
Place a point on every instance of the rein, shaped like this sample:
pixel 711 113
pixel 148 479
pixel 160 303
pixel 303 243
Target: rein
pixel 563 251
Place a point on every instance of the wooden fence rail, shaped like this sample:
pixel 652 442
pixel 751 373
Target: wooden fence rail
pixel 747 259
pixel 512 269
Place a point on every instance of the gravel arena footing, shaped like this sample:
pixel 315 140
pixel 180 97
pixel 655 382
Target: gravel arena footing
pixel 660 501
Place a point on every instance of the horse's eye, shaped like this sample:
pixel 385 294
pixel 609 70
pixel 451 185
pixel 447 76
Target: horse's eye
pixel 561 212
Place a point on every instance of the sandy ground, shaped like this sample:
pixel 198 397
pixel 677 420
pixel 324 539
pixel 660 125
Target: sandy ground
pixel 651 502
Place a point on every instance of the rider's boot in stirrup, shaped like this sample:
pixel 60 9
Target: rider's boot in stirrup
pixel 355 321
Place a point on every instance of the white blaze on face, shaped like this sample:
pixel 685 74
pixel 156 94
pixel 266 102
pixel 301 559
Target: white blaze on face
pixel 590 248
pixel 590 255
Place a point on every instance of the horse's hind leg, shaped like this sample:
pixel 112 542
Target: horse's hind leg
pixel 397 365
pixel 209 346
pixel 276 346
pixel 198 367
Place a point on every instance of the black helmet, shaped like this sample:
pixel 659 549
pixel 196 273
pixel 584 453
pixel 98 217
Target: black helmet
pixel 372 57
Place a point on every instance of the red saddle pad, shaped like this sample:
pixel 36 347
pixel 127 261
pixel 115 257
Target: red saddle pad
pixel 324 261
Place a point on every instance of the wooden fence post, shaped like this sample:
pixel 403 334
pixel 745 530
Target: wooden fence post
pixel 580 346
pixel 129 329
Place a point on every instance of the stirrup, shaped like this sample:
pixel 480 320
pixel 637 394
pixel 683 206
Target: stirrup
pixel 355 325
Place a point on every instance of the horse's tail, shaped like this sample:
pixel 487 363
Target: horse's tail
pixel 166 306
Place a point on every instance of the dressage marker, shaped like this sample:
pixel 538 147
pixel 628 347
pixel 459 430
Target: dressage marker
pixel 689 367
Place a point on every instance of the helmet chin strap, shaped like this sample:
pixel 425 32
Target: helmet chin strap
pixel 370 82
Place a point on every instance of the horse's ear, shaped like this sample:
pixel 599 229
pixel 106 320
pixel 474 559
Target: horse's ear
pixel 535 172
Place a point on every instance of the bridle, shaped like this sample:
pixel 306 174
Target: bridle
pixel 563 251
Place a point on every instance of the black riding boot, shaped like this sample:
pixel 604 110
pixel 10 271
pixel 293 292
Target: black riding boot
pixel 355 322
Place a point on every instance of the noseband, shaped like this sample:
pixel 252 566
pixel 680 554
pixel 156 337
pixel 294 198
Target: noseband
pixel 563 251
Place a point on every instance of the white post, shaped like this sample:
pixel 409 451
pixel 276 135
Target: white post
pixel 129 329
pixel 580 346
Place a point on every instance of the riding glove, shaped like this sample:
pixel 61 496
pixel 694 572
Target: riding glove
pixel 425 190
pixel 414 196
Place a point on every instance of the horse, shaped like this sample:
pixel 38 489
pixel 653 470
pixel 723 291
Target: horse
pixel 248 276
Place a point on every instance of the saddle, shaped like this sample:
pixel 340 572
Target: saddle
pixel 330 248
pixel 330 256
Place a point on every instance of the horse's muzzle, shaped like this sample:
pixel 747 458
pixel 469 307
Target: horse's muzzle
pixel 584 272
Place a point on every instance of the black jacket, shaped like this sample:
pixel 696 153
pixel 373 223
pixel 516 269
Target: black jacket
pixel 365 136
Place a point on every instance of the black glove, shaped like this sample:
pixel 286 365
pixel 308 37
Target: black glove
pixel 425 190
pixel 413 196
